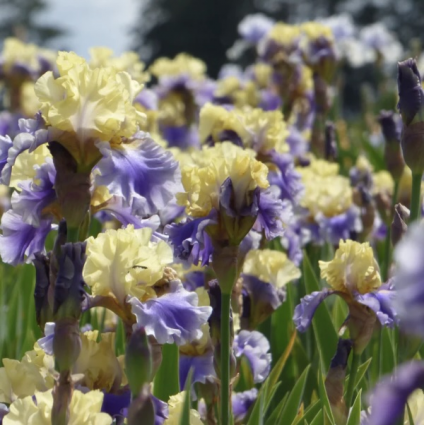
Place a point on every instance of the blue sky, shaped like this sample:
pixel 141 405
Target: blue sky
pixel 92 23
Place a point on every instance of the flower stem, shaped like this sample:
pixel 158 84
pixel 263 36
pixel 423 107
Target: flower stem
pixel 352 375
pixel 416 197
pixel 225 358
pixel 388 245
pixel 72 234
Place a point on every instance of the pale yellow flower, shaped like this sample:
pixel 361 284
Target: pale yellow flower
pixel 124 262
pixel 326 192
pixel 202 184
pixel 176 406
pixel 84 409
pixel 88 104
pixel 181 64
pixel 270 266
pixel 353 268
pixel 102 57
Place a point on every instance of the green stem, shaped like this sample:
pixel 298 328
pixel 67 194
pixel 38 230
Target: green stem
pixel 388 245
pixel 72 234
pixel 416 197
pixel 352 375
pixel 225 358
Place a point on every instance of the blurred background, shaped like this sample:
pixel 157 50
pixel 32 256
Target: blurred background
pixel 207 29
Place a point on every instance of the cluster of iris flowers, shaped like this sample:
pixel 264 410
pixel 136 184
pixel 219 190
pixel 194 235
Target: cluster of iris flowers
pixel 204 222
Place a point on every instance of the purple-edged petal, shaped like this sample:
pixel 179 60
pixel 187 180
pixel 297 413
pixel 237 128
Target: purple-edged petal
pixel 254 27
pixel 140 171
pixel 181 137
pixel 20 239
pixel 286 178
pixel 273 213
pixel 241 403
pixel 114 404
pixel 31 138
pixel 304 312
pixel 172 318
pixel 46 343
pixel 34 197
pixel 5 144
pixel 148 99
pixel 260 299
pixel 254 346
pixel 340 226
pixel 382 303
pixel 202 367
pixel 388 400
pixel 116 208
pixel 190 241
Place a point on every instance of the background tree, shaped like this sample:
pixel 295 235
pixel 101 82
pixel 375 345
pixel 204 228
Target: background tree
pixel 19 18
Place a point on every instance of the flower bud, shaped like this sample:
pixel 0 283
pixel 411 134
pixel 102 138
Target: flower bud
pixel 138 361
pixel 330 142
pixel 142 409
pixel 43 311
pixel 399 226
pixel 410 106
pixel 409 90
pixel 392 154
pixel 69 292
pixel 334 383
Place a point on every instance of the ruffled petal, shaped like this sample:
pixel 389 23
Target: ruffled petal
pixel 255 347
pixel 140 171
pixel 21 239
pixel 304 312
pixel 172 318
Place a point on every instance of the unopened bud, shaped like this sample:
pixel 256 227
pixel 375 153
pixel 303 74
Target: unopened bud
pixel 391 129
pixel 138 361
pixel 399 226
pixel 43 310
pixel 334 383
pixel 330 142
pixel 411 97
pixel 69 291
pixel 142 409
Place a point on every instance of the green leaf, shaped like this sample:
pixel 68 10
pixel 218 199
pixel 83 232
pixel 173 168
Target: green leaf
pixel 185 417
pixel 324 330
pixel 362 370
pixel 318 419
pixel 167 380
pixel 273 418
pixel 295 399
pixel 355 413
pixel 266 389
pixel 257 416
pixel 324 398
pixel 310 412
pixel 277 369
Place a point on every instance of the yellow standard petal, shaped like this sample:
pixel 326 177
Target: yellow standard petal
pixel 176 405
pixel 326 192
pixel 84 409
pixel 124 262
pixel 353 268
pixel 202 183
pixel 88 104
pixel 270 266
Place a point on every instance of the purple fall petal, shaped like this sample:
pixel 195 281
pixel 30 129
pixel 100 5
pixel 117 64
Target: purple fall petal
pixel 173 317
